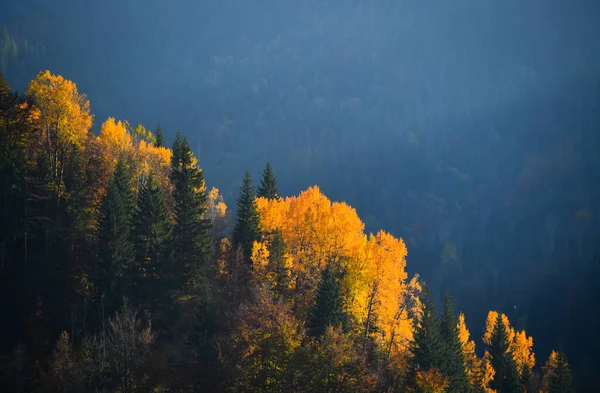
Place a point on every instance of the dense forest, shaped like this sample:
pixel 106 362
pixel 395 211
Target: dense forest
pixel 121 271
pixel 469 129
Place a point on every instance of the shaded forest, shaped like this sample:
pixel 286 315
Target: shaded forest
pixel 469 130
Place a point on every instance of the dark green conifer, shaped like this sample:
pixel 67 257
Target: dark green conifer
pixel 151 237
pixel 506 378
pixel 328 307
pixel 454 361
pixel 245 230
pixel 268 184
pixel 116 252
pixel 427 347
pixel 160 138
pixel 192 244
pixel 277 264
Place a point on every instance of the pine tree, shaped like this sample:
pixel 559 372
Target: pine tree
pixel 506 378
pixel 116 252
pixel 192 244
pixel 245 230
pixel 151 237
pixel 454 360
pixel 160 138
pixel 427 347
pixel 328 308
pixel 268 184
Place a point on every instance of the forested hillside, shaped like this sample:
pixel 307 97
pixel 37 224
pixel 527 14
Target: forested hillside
pixel 470 129
pixel 121 271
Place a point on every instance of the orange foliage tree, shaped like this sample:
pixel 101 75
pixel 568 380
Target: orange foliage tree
pixel 316 232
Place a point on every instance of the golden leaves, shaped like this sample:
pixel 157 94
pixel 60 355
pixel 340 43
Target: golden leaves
pixel 117 140
pixel 63 111
pixel 520 345
pixel 522 350
pixel 316 232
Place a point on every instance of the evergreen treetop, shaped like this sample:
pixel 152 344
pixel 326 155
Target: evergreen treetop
pixel 115 249
pixel 427 347
pixel 245 230
pixel 192 244
pixel 160 138
pixel 268 184
pixel 506 377
pixel 328 308
pixel 454 360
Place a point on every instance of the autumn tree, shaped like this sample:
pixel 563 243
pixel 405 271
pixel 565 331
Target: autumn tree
pixel 479 372
pixel 328 309
pixel 217 213
pixel 454 361
pixel 64 123
pixel 316 232
pixel 268 184
pixel 245 230
pixel 332 363
pixel 557 374
pixel 431 381
pixel 263 341
pixel 115 250
pixel 192 245
pixel 64 374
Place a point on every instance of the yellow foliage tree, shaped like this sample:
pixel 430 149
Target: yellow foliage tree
pixel 521 346
pixel 317 231
pixel 489 327
pixel 431 381
pixel 263 342
pixel 260 262
pixel 117 140
pixel 216 212
pixel 479 372
pixel 522 351
pixel 64 122
pixel 381 281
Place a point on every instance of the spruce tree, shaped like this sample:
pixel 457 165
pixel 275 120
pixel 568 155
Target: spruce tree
pixel 192 244
pixel 177 152
pixel 560 379
pixel 245 230
pixel 160 138
pixel 277 264
pixel 151 237
pixel 268 184
pixel 116 252
pixel 454 360
pixel 328 307
pixel 506 377
pixel 427 347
